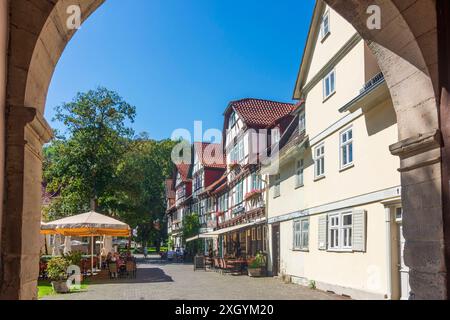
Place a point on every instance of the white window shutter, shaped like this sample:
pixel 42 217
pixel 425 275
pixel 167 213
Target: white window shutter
pixel 323 220
pixel 359 230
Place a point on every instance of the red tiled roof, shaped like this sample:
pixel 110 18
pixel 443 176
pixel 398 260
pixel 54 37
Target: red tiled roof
pixel 217 184
pixel 211 155
pixel 262 113
pixel 183 170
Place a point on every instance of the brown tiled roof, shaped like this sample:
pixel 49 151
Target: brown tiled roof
pixel 211 155
pixel 262 113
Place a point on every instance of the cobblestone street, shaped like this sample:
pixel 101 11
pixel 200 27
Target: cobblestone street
pixel 157 280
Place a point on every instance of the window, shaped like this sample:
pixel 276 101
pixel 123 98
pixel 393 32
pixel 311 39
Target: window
pixel 238 193
pixel 346 148
pixel 237 152
pixel 241 150
pixel 302 122
pixel 256 182
pixel 341 231
pixel 300 168
pixel 329 85
pixel 319 161
pixel 325 25
pixel 301 234
pixel 277 186
pixel 233 119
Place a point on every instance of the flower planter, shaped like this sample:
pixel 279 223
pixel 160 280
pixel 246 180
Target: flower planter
pixel 60 287
pixel 257 272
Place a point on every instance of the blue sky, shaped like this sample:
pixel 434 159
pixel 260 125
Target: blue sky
pixel 181 61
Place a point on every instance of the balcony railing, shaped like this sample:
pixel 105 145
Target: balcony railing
pixel 372 83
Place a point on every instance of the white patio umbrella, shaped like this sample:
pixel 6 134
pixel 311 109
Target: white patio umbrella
pixel 90 224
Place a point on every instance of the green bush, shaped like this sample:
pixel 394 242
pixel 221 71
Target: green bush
pixel 57 269
pixel 74 258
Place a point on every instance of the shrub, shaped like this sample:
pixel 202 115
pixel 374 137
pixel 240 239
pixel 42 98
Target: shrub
pixel 74 258
pixel 57 269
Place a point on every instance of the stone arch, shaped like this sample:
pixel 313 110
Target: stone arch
pixel 38 34
pixel 406 49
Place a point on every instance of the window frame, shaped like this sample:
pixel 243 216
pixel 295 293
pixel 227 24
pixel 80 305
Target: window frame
pixel 346 144
pixel 319 159
pixel 323 34
pixel 324 82
pixel 301 245
pixel 299 173
pixel 339 231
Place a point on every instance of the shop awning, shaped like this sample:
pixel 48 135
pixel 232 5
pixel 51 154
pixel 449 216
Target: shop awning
pixel 234 228
pixel 202 236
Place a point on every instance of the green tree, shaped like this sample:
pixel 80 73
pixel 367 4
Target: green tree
pixel 191 228
pixel 81 166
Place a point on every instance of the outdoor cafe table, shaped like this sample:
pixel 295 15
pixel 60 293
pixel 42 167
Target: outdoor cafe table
pixel 240 263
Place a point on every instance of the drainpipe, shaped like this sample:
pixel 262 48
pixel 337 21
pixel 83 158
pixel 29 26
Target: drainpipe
pixel 388 218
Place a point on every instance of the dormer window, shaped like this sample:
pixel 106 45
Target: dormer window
pixel 325 26
pixel 233 119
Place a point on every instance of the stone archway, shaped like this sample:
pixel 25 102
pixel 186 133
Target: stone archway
pixel 406 49
pixel 38 34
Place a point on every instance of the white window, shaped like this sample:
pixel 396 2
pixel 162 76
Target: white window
pixel 329 84
pixel 340 231
pixel 325 25
pixel 277 186
pixel 301 234
pixel 302 122
pixel 299 176
pixel 319 161
pixel 346 148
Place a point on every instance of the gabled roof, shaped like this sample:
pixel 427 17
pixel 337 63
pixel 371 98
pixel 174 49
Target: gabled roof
pixel 308 52
pixel 259 113
pixel 183 169
pixel 211 155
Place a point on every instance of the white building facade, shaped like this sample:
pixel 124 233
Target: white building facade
pixel 334 209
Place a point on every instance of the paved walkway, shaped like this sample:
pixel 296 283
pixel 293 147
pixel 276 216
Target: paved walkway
pixel 157 280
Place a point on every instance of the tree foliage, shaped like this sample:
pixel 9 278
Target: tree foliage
pixel 98 158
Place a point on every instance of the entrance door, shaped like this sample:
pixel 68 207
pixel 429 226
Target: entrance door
pixel 403 269
pixel 275 249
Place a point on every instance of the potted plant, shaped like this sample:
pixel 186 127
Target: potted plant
pixel 74 259
pixel 257 266
pixel 57 274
